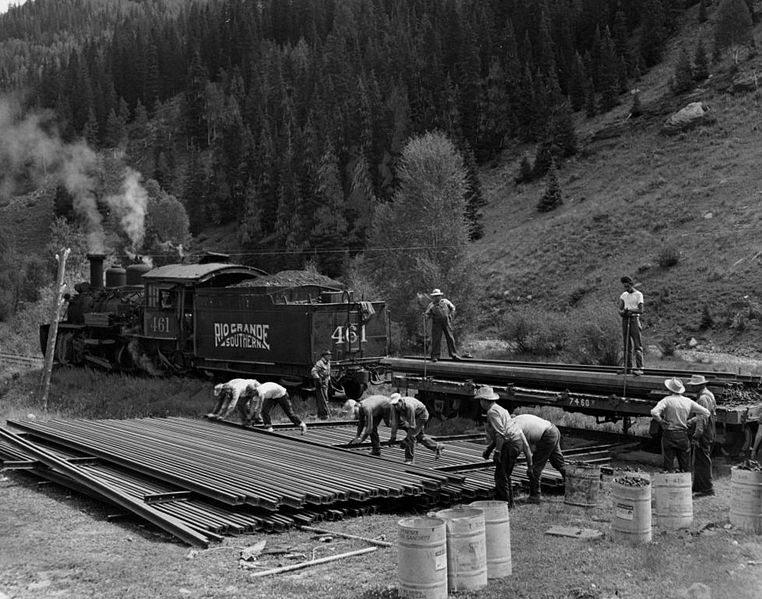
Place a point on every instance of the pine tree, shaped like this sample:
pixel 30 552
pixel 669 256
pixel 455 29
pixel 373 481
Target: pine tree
pixel 653 32
pixel 608 74
pixel 700 63
pixel 552 198
pixel 525 171
pixel 733 27
pixel 636 110
pixel 683 75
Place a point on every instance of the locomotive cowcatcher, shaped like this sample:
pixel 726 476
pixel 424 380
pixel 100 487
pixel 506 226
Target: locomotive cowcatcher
pixel 224 320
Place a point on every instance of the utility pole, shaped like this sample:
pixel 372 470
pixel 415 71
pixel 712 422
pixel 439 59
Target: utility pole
pixel 53 330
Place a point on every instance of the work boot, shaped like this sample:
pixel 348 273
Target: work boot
pixel 408 462
pixel 637 372
pixel 270 429
pixel 434 359
pixel 303 427
pixel 456 357
pixel 375 452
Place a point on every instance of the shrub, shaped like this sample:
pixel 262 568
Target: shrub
pixel 668 256
pixel 597 339
pixel 536 332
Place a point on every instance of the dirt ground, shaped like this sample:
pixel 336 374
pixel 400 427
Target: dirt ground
pixel 59 544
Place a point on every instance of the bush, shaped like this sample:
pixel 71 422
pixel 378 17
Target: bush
pixel 536 332
pixel 596 339
pixel 706 318
pixel 668 256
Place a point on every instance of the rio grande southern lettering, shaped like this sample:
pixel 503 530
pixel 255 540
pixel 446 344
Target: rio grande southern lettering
pixel 241 334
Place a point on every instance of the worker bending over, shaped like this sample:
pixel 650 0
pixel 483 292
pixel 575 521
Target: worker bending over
pixel 270 394
pixel 234 393
pixel 506 438
pixel 544 439
pixel 411 415
pixel 369 413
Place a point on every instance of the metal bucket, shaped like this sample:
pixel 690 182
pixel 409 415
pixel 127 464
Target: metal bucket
pixel 422 555
pixel 497 529
pixel 746 499
pixel 631 520
pixel 673 499
pixel 582 484
pixel 466 548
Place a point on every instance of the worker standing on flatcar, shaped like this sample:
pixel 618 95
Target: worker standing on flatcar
pixel 703 437
pixel 672 414
pixel 545 440
pixel 411 415
pixel 630 309
pixel 441 312
pixel 370 412
pixel 271 394
pixel 321 373
pixel 231 395
pixel 508 441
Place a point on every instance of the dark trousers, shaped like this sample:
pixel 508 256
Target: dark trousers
pixel 417 436
pixel 675 444
pixel 548 447
pixel 285 403
pixel 633 342
pixel 504 463
pixel 321 399
pixel 702 465
pixel 439 328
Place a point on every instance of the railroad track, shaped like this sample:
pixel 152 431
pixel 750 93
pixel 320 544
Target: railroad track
pixel 20 360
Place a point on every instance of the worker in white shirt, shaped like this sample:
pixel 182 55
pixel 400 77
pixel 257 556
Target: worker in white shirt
pixel 232 394
pixel 545 440
pixel 270 394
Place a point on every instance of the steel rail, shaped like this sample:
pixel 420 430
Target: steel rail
pixel 77 473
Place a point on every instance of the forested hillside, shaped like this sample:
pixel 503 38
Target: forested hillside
pixel 288 121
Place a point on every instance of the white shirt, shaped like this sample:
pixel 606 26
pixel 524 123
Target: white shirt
pixel 270 391
pixel 632 300
pixel 532 426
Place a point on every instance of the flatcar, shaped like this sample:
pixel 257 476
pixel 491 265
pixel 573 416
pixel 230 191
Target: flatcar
pixel 224 320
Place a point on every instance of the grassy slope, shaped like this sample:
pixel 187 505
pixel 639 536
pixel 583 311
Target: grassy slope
pixel 629 197
pixel 626 199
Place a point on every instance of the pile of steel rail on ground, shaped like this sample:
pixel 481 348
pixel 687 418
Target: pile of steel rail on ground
pixel 200 480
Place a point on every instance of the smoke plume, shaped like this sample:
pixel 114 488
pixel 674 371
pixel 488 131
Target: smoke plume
pixel 32 154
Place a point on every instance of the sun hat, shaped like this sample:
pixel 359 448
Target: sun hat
pixel 696 379
pixel 218 389
pixel 486 393
pixel 395 398
pixel 675 385
pixel 436 292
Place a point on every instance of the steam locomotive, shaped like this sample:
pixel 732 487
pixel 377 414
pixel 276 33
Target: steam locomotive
pixel 222 320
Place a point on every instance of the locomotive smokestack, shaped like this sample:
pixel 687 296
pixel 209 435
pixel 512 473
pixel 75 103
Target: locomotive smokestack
pixel 96 270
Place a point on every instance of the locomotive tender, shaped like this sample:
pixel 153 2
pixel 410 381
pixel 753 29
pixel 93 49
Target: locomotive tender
pixel 223 320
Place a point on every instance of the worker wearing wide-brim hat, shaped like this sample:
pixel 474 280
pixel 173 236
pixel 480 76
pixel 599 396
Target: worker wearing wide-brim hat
pixel 702 436
pixel 441 311
pixel 506 438
pixel 411 415
pixel 672 414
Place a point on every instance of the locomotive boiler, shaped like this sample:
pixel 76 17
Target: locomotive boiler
pixel 223 320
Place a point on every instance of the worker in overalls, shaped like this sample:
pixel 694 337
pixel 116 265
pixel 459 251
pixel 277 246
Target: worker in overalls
pixel 321 374
pixel 411 415
pixel 441 312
